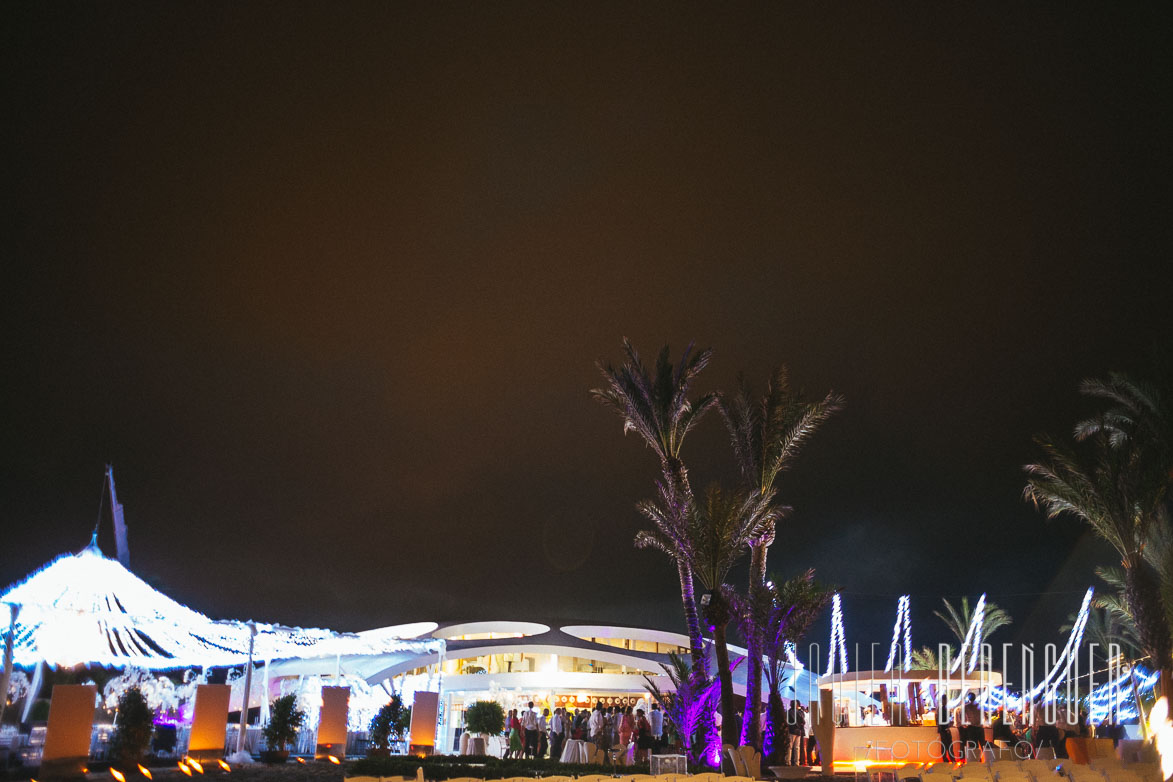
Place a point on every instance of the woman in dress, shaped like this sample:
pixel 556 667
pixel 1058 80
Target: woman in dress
pixel 643 736
pixel 626 727
pixel 514 750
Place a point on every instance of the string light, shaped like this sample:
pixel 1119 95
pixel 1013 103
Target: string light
pixel 1063 665
pixel 1115 697
pixel 838 639
pixel 902 621
pixel 87 608
pixel 973 638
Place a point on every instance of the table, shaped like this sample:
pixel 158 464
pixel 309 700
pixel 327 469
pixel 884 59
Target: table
pixel 668 764
pixel 576 751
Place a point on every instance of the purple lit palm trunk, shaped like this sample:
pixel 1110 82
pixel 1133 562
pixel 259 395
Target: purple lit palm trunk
pixel 750 735
pixel 677 476
pixel 729 727
pixel 692 619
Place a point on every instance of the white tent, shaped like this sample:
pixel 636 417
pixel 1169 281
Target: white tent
pixel 87 608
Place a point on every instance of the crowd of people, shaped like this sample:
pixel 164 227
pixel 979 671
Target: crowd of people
pixel 1027 733
pixel 534 734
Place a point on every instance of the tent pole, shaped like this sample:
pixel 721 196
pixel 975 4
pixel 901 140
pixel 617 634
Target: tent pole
pixel 34 691
pixel 248 683
pixel 9 644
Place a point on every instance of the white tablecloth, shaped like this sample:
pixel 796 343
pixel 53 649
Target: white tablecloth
pixel 575 751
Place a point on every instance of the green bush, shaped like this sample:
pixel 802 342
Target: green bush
pixel 484 717
pixel 132 730
pixel 390 723
pixel 284 720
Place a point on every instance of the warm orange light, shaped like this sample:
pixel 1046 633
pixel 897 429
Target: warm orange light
pixel 183 767
pixel 117 775
pixel 196 765
pixel 334 760
pixel 224 765
pixel 146 772
pixel 844 766
pixel 301 761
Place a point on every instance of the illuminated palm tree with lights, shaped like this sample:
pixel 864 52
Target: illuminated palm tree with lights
pixel 1116 479
pixel 717 533
pixel 767 434
pixel 657 408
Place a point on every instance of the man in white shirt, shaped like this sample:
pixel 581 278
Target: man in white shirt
pixel 543 731
pixel 529 724
pixel 596 723
pixel 557 734
pixel 656 720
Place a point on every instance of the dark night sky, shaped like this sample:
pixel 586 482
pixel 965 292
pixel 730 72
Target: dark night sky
pixel 326 284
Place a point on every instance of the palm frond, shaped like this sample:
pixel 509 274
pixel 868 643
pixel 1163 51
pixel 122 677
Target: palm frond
pixel 721 527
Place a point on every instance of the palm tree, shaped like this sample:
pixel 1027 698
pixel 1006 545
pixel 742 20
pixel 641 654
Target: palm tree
pixel 1114 492
pixel 717 534
pixel 686 705
pixel 960 618
pixel 1138 417
pixel 657 408
pixel 767 434
pixel 926 658
pixel 783 613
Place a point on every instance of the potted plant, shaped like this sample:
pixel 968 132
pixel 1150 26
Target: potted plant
pixel 132 733
pixel 485 718
pixel 388 725
pixel 284 720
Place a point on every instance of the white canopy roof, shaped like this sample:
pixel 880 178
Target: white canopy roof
pixel 87 608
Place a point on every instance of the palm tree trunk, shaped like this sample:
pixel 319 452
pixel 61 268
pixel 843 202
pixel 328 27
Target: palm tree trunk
pixel 729 727
pixel 692 619
pixel 676 474
pixel 775 716
pixel 750 733
pixel 1142 593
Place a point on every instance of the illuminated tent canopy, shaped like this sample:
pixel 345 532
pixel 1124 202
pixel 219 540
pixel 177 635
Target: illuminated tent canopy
pixel 87 608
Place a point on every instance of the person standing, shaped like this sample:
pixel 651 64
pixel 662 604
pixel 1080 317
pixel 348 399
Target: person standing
pixel 656 723
pixel 643 737
pixel 529 723
pixel 796 727
pixel 514 727
pixel 543 731
pixel 557 734
pixel 626 727
pixel 596 724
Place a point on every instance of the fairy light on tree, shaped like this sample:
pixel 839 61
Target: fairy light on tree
pixel 902 622
pixel 838 638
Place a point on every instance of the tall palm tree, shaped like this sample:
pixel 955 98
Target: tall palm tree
pixel 717 534
pixel 1111 490
pixel 767 433
pixel 1138 417
pixel 657 408
pixel 782 612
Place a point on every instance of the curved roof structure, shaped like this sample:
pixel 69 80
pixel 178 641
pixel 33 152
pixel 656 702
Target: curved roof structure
pixel 87 608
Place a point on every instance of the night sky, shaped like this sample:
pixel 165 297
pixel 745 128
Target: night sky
pixel 327 283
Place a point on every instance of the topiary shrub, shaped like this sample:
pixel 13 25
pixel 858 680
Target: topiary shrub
pixel 484 717
pixel 284 720
pixel 132 729
pixel 390 723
